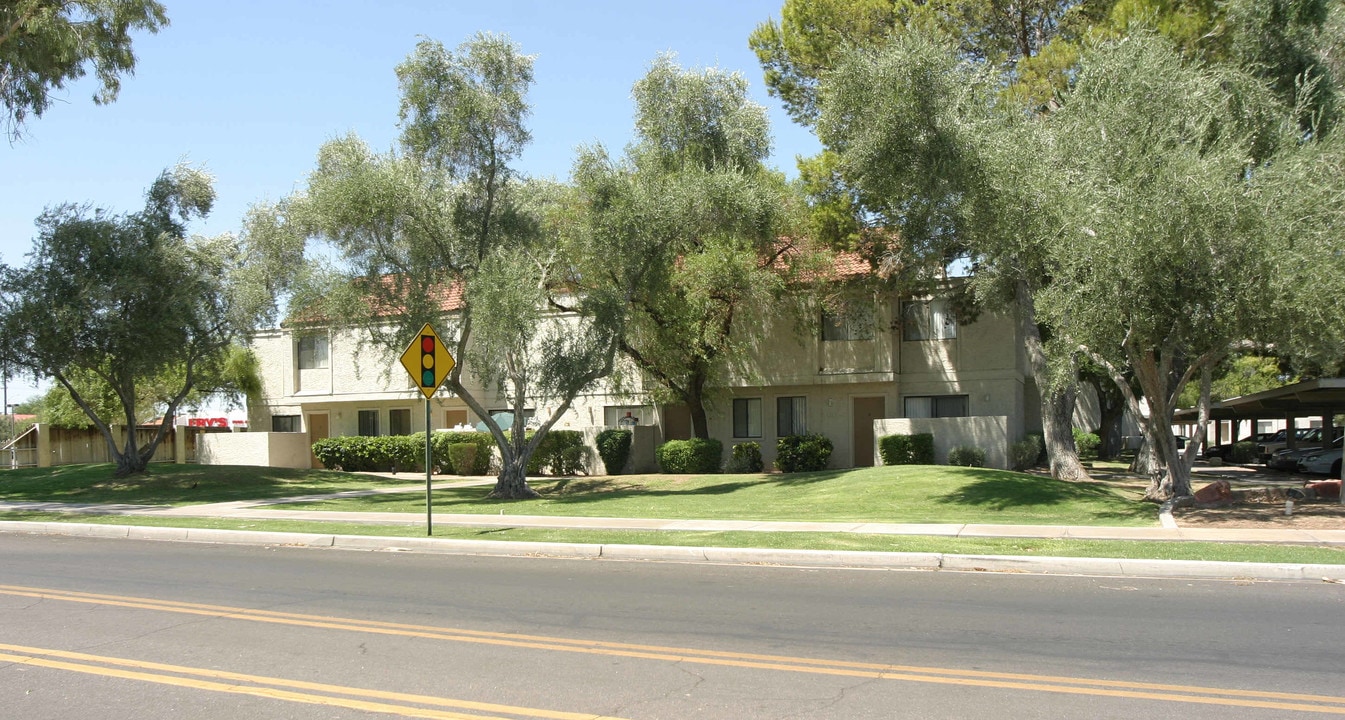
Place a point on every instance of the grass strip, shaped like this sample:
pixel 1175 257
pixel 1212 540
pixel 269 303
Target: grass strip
pixel 1118 549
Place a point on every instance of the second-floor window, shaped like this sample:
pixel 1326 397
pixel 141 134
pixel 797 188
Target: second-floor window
pixel 854 323
pixel 312 352
pixel 936 406
pixel 927 320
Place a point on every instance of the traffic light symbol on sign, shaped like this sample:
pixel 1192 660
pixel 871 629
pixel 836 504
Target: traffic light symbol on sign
pixel 427 378
pixel 427 361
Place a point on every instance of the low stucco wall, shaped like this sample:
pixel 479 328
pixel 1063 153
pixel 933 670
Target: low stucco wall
pixel 263 449
pixel 988 432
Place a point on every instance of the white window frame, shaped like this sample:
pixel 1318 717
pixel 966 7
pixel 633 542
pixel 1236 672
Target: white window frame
pixel 315 357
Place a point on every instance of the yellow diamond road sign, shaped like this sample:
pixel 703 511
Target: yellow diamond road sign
pixel 427 360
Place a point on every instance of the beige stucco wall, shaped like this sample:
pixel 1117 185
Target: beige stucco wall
pixel 988 433
pixel 264 449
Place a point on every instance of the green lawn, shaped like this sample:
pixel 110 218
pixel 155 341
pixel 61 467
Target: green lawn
pixel 1125 549
pixel 898 494
pixel 170 484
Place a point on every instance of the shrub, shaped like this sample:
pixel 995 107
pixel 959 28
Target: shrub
pixel 614 449
pixel 1026 453
pixel 560 453
pixel 802 453
pixel 746 458
pixel 1087 444
pixel 485 448
pixel 1242 452
pixel 404 453
pixel 966 456
pixel 915 449
pixel 689 456
pixel 461 458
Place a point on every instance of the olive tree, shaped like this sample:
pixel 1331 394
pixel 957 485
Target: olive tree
pixel 111 304
pixel 46 43
pixel 444 230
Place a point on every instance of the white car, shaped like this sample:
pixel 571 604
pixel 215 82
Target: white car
pixel 1322 463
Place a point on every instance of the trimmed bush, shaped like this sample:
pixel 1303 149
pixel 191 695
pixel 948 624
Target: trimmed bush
pixel 689 456
pixel 966 456
pixel 614 449
pixel 915 449
pixel 403 453
pixel 440 442
pixel 746 458
pixel 561 453
pixel 1087 444
pixel 802 453
pixel 461 458
pixel 1026 453
pixel 1242 452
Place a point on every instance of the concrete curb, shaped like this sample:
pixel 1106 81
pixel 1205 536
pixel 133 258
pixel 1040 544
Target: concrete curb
pixel 1183 569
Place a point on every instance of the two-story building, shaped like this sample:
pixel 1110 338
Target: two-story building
pixel 887 357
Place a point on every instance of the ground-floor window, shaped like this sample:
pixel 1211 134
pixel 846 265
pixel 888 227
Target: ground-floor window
pixel 747 417
pixel 399 421
pixel 791 416
pixel 285 423
pixel 369 423
pixel 936 406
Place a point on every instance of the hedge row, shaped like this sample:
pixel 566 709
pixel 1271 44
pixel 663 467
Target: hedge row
pixel 802 453
pixel 406 453
pixel 915 449
pixel 689 456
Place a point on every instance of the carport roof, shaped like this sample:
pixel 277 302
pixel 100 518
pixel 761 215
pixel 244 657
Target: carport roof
pixel 1310 397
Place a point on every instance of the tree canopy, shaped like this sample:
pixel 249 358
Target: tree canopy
pixel 447 216
pixel 689 219
pixel 115 303
pixel 46 43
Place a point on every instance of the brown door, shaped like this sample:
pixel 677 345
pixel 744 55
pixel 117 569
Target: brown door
pixel 317 430
pixel 453 418
pixel 676 422
pixel 867 409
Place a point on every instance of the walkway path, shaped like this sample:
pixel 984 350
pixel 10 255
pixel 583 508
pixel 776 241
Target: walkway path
pixel 269 510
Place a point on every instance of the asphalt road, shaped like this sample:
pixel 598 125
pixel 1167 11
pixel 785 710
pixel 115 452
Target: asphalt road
pixel 125 629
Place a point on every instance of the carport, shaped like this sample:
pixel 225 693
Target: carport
pixel 1324 397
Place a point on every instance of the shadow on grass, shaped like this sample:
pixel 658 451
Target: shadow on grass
pixel 1000 490
pixel 171 483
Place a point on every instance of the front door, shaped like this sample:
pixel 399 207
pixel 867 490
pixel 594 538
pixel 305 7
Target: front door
pixel 867 409
pixel 317 430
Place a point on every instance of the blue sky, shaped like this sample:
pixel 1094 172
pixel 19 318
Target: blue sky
pixel 251 89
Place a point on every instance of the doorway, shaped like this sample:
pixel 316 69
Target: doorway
pixel 866 410
pixel 317 430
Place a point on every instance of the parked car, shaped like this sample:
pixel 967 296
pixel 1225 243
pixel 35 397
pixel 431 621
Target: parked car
pixel 1223 451
pixel 1322 463
pixel 1279 441
pixel 1287 459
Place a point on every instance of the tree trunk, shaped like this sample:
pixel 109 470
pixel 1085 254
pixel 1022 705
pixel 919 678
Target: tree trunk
pixel 1057 406
pixel 1111 416
pixel 512 482
pixel 695 400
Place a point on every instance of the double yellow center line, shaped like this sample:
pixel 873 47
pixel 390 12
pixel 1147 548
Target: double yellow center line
pixel 909 673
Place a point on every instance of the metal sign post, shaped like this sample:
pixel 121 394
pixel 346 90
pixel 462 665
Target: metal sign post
pixel 428 362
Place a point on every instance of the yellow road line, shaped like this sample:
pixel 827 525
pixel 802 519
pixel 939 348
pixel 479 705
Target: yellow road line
pixel 42 657
pixel 978 678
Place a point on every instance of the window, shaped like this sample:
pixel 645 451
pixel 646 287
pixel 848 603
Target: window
pixel 368 423
pixel 936 406
pixel 285 423
pixel 747 417
pixel 855 323
pixel 932 320
pixel 626 415
pixel 312 352
pixel 791 416
pixel 399 421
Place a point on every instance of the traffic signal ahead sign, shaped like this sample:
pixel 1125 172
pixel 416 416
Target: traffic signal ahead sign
pixel 427 360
